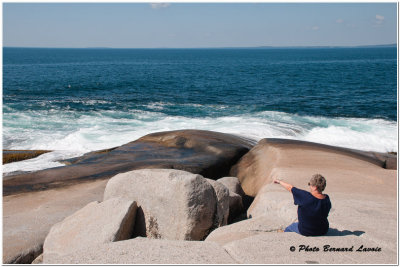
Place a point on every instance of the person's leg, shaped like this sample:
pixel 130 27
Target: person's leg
pixel 294 227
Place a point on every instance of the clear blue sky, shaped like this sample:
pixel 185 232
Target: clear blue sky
pixel 143 25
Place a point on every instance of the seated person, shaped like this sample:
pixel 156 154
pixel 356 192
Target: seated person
pixel 313 207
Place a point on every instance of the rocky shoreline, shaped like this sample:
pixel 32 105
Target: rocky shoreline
pixel 171 187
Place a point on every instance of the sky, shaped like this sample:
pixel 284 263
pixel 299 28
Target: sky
pixel 198 25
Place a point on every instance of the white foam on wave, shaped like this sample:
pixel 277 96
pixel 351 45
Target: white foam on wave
pixel 160 105
pixel 70 134
pixel 44 161
pixel 370 135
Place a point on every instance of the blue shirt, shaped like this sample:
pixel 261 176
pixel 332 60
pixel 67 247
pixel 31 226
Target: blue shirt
pixel 312 212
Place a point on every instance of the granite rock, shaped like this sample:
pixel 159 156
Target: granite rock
pixel 290 248
pixel 28 217
pixel 223 199
pixel 172 204
pixel 236 195
pixel 233 184
pixel 254 168
pixel 108 221
pixel 147 251
pixel 246 228
pixel 210 154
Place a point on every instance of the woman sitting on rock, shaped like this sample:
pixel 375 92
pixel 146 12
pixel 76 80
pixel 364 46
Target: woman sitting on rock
pixel 313 207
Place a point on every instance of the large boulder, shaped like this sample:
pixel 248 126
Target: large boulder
pixel 236 195
pixel 210 154
pixel 223 199
pixel 96 223
pixel 233 184
pixel 275 202
pixel 257 167
pixel 362 193
pixel 29 211
pixel 147 251
pixel 172 204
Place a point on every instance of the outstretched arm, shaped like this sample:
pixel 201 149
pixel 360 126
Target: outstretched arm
pixel 287 186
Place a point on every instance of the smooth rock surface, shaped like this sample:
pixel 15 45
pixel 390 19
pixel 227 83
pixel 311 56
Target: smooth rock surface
pixel 147 251
pixel 208 153
pixel 96 223
pixel 273 201
pixel 28 217
pixel 255 168
pixel 364 212
pixel 29 211
pixel 173 204
pixel 246 228
pixel 362 193
pixel 275 248
pixel 223 198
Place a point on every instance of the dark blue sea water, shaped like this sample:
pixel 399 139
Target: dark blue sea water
pixel 76 100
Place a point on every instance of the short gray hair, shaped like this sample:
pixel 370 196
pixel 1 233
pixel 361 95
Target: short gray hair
pixel 318 181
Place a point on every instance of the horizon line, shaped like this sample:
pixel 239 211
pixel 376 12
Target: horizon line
pixel 222 47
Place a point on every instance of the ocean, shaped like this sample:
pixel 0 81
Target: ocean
pixel 73 101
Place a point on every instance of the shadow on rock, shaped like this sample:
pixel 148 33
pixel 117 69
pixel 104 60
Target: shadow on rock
pixel 336 232
pixel 210 154
pixel 140 224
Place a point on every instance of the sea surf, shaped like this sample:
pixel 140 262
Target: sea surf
pixel 73 101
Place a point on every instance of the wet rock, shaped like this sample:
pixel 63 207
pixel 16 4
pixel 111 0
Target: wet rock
pixel 210 154
pixel 391 163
